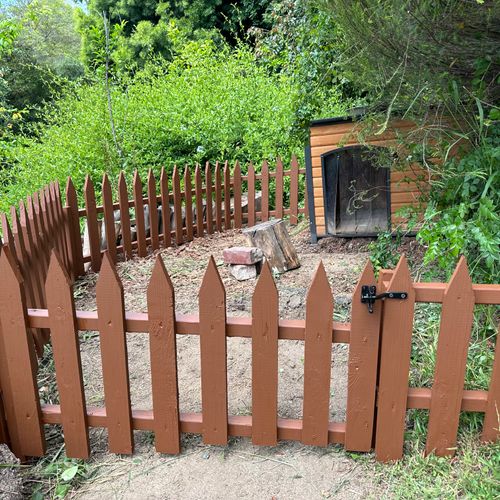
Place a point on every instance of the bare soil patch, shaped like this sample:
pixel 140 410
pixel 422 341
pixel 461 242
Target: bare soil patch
pixel 289 470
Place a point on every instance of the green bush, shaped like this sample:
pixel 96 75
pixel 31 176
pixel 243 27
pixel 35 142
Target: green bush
pixel 204 105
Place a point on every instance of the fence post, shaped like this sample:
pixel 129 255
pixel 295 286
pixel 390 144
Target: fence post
pixel 491 426
pixel 73 221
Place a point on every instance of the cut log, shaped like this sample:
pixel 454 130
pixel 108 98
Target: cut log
pixel 273 239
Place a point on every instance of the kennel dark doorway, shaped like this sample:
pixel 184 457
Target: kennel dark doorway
pixel 356 192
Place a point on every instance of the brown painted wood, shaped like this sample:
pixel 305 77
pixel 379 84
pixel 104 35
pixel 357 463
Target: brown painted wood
pixel 124 215
pixel 163 355
pixel 212 304
pixel 74 222
pixel 38 236
pixel 188 197
pixel 264 183
pixel 165 208
pixel 362 368
pixel 18 364
pixel 317 360
pixel 8 237
pixel 49 223
pixel 111 311
pixel 237 195
pixel 109 218
pixel 491 425
pixel 93 228
pixel 58 223
pixel 394 368
pixel 199 201
pixel 227 197
pixel 451 359
pixel 153 211
pixel 208 197
pixel 265 318
pixel 68 366
pixel 176 187
pixel 140 224
pixel 218 198
pixel 251 195
pixel 63 227
pixel 294 190
pixel 278 203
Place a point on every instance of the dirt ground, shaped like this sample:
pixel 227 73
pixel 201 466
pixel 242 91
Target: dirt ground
pixel 289 470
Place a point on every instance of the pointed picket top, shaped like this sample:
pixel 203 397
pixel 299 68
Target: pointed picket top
pixel 187 174
pixel 30 206
pixel 108 277
pixel 23 214
pixel 151 181
pixel 212 282
pixel 106 185
pixel 237 168
pixel 14 217
pixel 137 182
pixel 294 162
pixel 160 284
pixel 88 186
pixel 279 163
pixel 70 190
pixel 367 278
pixel 122 181
pixel 320 289
pixel 401 279
pixel 8 237
pixel 266 285
pixel 460 282
pixel 9 269
pixel 56 275
pixel 197 172
pixel 175 173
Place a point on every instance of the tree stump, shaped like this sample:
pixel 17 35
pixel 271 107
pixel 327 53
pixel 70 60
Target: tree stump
pixel 273 239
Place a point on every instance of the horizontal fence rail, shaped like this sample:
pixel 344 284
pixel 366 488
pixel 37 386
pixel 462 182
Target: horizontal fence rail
pixel 378 392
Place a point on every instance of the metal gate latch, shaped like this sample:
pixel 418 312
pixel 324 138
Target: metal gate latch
pixel 369 296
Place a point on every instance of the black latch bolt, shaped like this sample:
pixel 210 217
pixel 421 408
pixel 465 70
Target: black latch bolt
pixel 369 296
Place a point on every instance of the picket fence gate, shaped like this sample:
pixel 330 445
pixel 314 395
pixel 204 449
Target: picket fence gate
pixel 41 257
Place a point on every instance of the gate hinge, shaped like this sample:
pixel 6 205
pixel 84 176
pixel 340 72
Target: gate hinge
pixel 369 296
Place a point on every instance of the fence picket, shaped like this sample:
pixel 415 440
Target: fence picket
pixel 45 219
pixel 212 306
pixel 265 310
pixel 176 187
pixel 18 364
pixel 227 196
pixel 8 237
pixel 92 225
pixel 264 187
pixel 491 425
pixel 251 195
pixel 451 359
pixel 111 314
pixel 109 217
pixel 38 236
pixel 278 189
pixel 208 197
pixel 140 223
pixel 218 198
pixel 397 320
pixel 362 368
pixel 188 197
pixel 68 367
pixel 163 354
pixel 294 190
pixel 58 222
pixel 165 209
pixel 124 216
pixel 63 226
pixel 74 222
pixel 317 360
pixel 153 211
pixel 199 201
pixel 237 195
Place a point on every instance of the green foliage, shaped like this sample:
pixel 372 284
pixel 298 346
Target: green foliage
pixel 206 104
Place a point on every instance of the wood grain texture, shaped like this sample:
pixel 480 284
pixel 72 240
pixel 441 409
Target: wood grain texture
pixel 18 364
pixel 109 217
pixel 153 212
pixel 163 355
pixel 208 197
pixel 188 203
pixel 140 224
pixel 451 358
pixel 111 314
pixel 317 360
pixel 165 208
pixel 68 367
pixel 212 304
pixel 362 368
pixel 92 226
pixel 124 216
pixel 265 317
pixel 394 369
pixel 491 425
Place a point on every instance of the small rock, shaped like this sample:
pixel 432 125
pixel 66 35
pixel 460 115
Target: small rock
pixel 295 301
pixel 242 255
pixel 205 455
pixel 343 300
pixel 242 272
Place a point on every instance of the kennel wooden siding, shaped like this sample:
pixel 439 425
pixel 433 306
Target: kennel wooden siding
pixel 378 366
pixel 405 187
